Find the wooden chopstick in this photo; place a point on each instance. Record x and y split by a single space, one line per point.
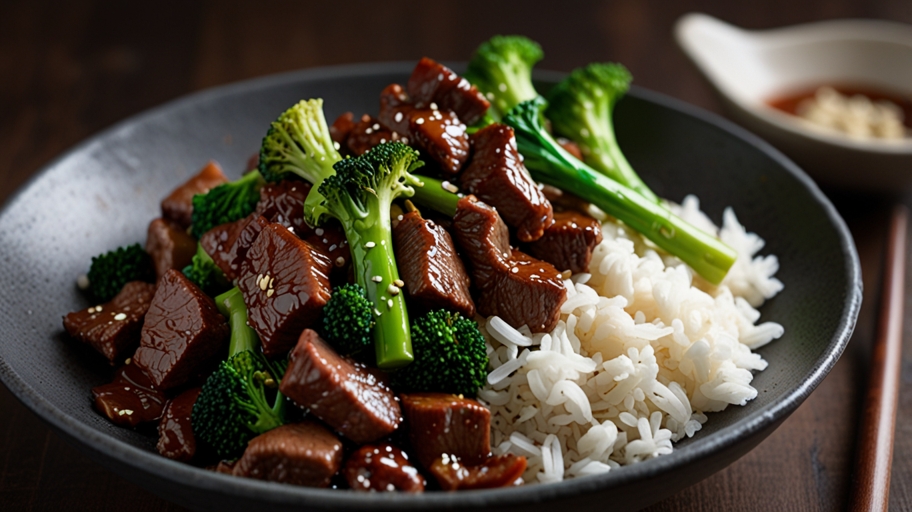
871 481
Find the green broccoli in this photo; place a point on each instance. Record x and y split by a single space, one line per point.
450 356
360 195
549 163
580 108
110 271
234 405
348 318
501 68
298 142
226 203
205 273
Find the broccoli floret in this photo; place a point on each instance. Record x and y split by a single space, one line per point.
580 108
240 399
549 163
348 318
205 273
226 203
110 271
450 356
502 69
360 195
298 142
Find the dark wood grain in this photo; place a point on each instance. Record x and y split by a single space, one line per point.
69 69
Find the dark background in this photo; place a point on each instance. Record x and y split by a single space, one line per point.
69 69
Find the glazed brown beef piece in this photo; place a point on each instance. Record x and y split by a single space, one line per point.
220 243
569 242
283 202
113 328
169 245
175 432
346 395
178 206
438 424
511 284
497 176
299 454
130 399
330 238
182 333
432 82
285 283
498 471
381 468
434 276
367 133
341 128
438 133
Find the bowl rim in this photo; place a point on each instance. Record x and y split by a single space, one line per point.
858 30
182 474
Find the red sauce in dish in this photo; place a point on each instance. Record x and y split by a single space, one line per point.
788 103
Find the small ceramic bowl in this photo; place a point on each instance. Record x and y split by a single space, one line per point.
749 69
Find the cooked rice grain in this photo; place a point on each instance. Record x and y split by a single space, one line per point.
643 349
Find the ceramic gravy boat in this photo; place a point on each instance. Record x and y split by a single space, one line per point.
750 68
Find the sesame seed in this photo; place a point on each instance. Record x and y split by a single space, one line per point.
449 187
433 106
82 282
398 116
128 361
264 283
376 126
333 247
419 121
91 310
399 282
319 231
370 245
98 308
389 303
269 292
377 279
120 316
335 145
377 312
399 218
369 131
340 261
393 290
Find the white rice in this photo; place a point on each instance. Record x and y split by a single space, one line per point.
642 351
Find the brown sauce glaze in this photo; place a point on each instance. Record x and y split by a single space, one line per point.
434 276
498 471
130 399
299 454
432 82
568 243
439 423
178 206
175 432
382 468
497 176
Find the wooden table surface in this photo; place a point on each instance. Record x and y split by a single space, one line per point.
68 70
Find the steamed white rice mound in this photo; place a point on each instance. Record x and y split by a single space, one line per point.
642 351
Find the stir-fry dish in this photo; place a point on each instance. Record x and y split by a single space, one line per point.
469 288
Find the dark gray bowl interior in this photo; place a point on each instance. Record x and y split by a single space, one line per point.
104 192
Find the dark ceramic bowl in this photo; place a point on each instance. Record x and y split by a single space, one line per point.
104 192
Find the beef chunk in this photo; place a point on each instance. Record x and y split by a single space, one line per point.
367 133
569 242
219 241
381 468
497 176
183 331
283 202
178 206
344 394
130 399
285 283
175 432
299 454
169 245
432 82
341 128
330 238
428 264
438 133
438 424
511 284
498 471
113 328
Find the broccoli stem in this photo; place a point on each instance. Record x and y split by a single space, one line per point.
243 337
605 155
549 163
434 196
371 242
